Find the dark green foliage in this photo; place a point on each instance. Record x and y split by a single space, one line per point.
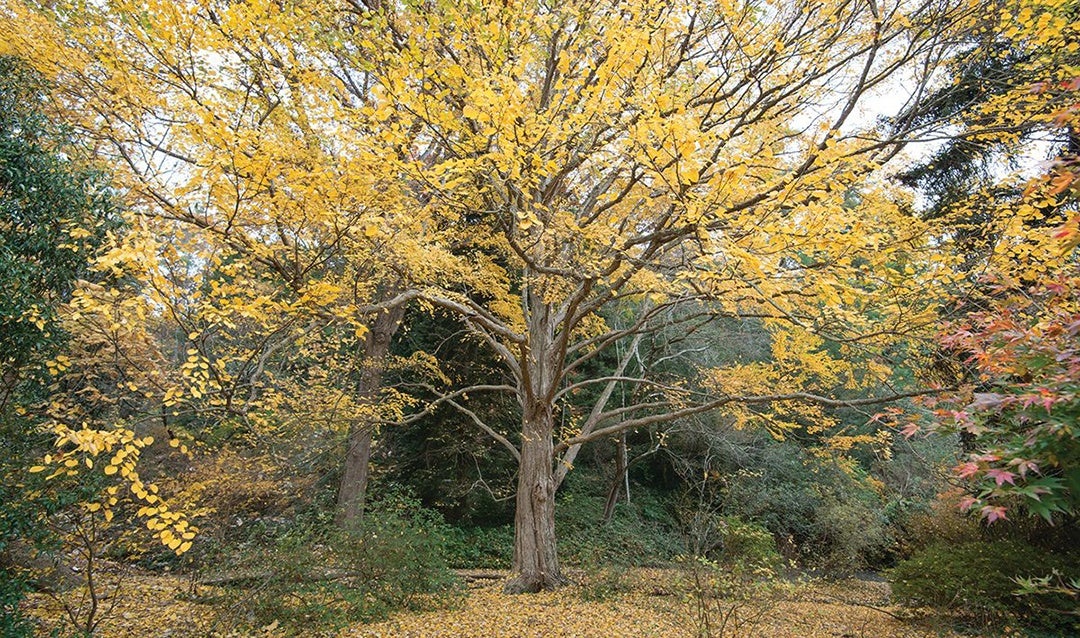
444 459
978 579
821 513
960 181
642 533
480 547
316 578
963 164
12 623
54 214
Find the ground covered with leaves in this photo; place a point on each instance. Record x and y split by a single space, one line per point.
637 603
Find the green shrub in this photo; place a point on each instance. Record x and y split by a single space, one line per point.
313 578
824 513
747 544
641 534
13 623
979 580
480 547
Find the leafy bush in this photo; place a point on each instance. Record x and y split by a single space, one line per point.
54 213
480 547
820 511
13 623
852 532
747 544
642 534
320 578
980 578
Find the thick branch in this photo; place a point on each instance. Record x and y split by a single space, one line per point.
722 401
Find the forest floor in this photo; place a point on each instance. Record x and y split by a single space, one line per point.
642 603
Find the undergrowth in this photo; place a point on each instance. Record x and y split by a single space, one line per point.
318 579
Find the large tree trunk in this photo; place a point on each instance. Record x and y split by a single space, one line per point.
536 561
355 470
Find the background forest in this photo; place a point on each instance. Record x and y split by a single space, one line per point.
320 306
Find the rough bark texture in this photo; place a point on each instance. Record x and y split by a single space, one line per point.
352 490
536 561
355 470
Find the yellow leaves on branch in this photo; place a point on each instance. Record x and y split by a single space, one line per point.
115 453
579 155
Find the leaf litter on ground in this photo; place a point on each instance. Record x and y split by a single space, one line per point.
645 603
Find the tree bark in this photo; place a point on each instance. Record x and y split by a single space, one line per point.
536 561
617 482
352 490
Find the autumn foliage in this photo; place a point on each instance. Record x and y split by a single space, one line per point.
642 245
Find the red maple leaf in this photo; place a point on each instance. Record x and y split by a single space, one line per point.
1001 476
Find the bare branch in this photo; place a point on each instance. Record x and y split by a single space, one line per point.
747 399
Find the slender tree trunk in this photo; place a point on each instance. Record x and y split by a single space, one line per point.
352 489
617 482
536 561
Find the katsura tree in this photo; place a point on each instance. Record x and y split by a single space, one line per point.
267 228
621 168
565 179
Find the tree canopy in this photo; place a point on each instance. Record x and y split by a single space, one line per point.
571 182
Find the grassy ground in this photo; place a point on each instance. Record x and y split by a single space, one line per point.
642 603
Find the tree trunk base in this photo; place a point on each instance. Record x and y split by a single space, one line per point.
533 583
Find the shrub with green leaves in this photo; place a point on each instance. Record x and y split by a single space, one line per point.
980 579
480 547
314 578
747 544
643 533
55 212
830 515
